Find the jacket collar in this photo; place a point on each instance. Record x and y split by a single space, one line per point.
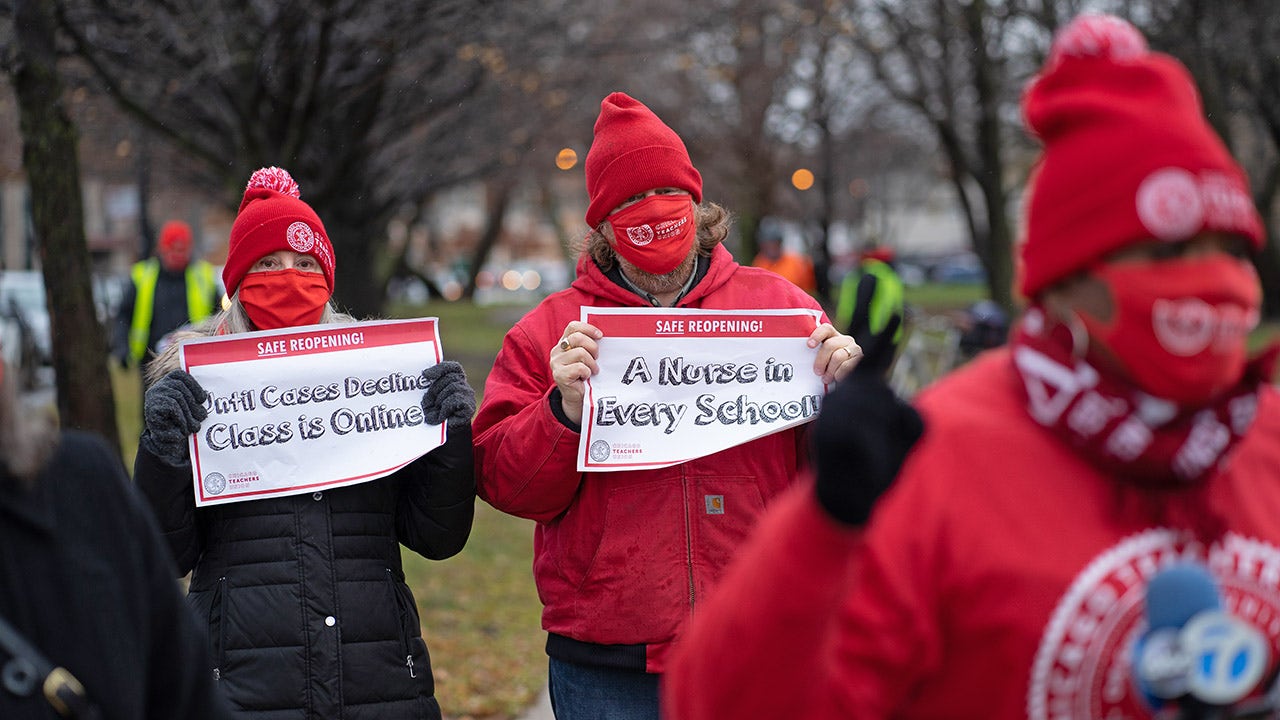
709 274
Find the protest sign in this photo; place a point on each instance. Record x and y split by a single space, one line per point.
310 408
678 384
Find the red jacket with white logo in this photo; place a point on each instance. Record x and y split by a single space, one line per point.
622 558
1000 577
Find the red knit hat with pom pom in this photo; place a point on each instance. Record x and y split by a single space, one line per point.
633 151
273 217
1128 155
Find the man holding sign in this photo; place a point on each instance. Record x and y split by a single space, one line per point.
301 582
622 558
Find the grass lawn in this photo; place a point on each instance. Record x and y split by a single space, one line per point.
480 612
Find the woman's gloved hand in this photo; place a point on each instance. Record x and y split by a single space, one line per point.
448 399
172 410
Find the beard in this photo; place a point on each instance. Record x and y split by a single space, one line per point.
665 283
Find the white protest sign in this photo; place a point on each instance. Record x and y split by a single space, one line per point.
678 384
310 408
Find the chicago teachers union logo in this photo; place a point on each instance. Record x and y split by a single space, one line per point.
599 451
215 483
300 237
1084 667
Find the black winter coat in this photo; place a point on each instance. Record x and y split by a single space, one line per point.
308 612
85 577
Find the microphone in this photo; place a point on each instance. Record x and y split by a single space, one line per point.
1193 653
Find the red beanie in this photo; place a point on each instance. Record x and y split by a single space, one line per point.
173 231
1128 156
271 218
633 151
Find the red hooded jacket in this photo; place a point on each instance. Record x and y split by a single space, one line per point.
622 558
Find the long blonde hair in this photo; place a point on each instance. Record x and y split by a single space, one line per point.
226 322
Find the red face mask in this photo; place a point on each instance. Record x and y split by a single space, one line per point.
284 298
656 233
1180 325
176 255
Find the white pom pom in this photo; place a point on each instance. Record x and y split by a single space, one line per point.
1094 35
274 178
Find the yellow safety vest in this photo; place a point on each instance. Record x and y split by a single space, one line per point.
201 286
889 298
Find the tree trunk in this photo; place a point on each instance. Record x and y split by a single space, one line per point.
498 198
49 155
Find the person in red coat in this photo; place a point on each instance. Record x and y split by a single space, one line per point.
622 559
1089 526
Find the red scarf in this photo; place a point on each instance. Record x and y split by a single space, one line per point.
1147 441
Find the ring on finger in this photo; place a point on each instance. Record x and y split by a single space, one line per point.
564 344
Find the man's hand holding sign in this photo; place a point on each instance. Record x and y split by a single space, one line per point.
674 384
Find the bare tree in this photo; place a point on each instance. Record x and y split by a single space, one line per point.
49 154
362 100
960 66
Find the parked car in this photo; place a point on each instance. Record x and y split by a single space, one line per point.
22 300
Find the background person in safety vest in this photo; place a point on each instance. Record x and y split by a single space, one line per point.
871 299
167 291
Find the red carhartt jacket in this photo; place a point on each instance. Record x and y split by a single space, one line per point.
622 558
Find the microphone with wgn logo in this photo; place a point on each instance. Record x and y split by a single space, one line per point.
1196 661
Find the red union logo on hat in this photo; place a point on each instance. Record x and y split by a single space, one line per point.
300 237
1170 205
640 236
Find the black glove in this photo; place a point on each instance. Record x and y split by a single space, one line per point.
878 348
448 398
172 410
860 440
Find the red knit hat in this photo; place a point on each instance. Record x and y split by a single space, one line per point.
172 232
633 151
273 217
1128 155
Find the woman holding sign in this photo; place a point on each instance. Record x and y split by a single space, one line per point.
621 559
307 607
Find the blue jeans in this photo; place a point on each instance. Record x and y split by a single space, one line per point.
586 692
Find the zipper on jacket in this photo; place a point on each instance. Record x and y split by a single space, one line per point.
219 606
688 536
404 617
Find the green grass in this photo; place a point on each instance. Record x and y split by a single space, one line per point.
480 611
941 297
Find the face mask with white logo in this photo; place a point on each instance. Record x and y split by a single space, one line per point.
1180 325
656 233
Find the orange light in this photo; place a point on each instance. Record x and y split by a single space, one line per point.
802 179
566 158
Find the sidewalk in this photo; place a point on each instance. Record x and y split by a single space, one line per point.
541 709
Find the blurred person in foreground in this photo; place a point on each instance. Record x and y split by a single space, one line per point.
775 257
1009 572
621 559
87 587
304 594
165 292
